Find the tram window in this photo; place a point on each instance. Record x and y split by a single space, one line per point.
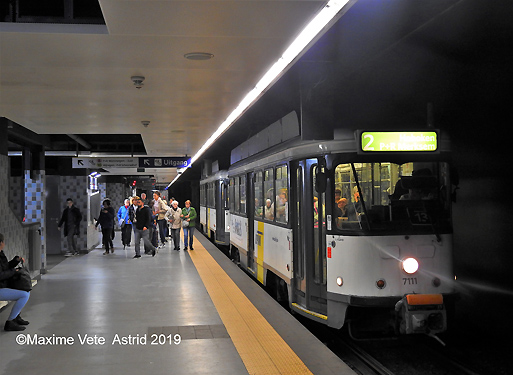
389 196
236 196
210 194
269 194
231 195
282 205
203 200
243 195
259 194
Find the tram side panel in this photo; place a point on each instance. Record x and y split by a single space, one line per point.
239 236
276 253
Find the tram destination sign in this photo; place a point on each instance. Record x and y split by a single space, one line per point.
404 141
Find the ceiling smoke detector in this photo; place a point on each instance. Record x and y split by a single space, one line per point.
145 123
138 81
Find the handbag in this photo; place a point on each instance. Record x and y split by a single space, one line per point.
185 224
21 280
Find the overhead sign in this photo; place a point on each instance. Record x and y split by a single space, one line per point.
164 162
426 141
95 163
142 162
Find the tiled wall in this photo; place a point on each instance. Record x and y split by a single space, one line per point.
16 237
35 204
17 196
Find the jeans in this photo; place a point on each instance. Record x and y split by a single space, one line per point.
188 233
126 234
145 235
20 296
107 238
72 239
175 234
162 229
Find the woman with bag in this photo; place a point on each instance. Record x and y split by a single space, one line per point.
173 218
189 222
7 272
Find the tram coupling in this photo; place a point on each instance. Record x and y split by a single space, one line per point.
421 313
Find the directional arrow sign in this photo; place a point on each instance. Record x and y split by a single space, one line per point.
94 163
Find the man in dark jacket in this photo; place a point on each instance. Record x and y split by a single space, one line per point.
71 218
106 220
142 221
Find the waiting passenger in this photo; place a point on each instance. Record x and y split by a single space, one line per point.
7 272
269 209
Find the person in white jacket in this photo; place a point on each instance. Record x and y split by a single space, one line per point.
173 218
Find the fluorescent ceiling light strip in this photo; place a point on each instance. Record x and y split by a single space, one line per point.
314 27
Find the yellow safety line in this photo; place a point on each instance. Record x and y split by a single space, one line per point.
260 347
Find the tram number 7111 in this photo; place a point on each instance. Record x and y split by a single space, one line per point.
409 281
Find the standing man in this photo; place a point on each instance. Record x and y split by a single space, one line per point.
71 218
188 215
159 210
142 222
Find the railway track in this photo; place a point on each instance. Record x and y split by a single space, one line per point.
412 355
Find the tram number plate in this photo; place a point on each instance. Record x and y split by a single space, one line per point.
409 281
419 217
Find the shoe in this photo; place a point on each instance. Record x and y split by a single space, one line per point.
192 248
153 252
112 250
11 325
20 321
185 248
68 255
106 253
136 256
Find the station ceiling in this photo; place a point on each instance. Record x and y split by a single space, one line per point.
377 66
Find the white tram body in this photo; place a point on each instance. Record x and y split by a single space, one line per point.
334 229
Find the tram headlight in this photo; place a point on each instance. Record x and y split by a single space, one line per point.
340 281
410 265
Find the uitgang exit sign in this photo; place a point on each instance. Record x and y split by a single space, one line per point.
411 141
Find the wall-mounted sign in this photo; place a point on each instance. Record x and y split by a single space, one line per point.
408 141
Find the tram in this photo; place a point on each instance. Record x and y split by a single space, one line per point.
353 229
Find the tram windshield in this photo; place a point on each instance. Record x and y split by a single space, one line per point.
406 198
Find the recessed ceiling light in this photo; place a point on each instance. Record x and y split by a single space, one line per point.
198 56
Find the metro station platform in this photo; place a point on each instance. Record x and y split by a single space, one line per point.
177 313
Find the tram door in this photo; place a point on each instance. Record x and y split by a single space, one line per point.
250 212
309 240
